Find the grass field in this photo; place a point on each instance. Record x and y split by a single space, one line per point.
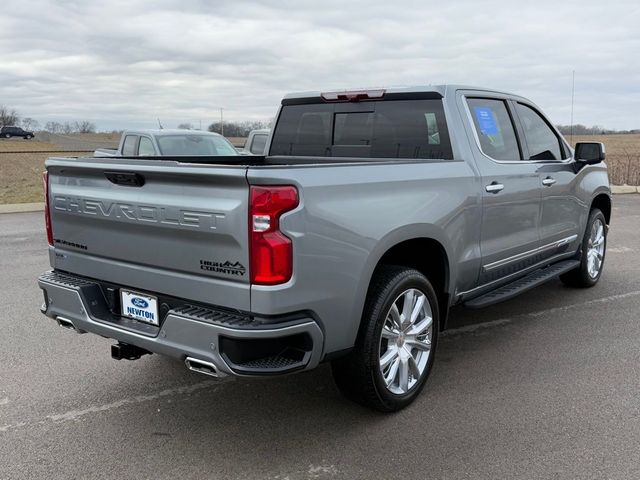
21 173
623 156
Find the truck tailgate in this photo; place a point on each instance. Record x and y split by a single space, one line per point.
155 225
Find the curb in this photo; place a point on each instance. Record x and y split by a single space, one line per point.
623 189
22 207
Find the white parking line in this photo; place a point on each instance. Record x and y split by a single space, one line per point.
619 250
76 414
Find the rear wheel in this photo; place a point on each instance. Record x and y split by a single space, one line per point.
7 135
594 247
394 353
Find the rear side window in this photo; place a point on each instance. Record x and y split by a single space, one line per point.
542 141
383 129
495 129
146 147
129 146
258 144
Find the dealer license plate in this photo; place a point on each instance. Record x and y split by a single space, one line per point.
139 306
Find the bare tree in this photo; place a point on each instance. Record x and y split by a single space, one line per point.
579 129
237 129
29 123
8 116
53 127
84 126
185 126
67 128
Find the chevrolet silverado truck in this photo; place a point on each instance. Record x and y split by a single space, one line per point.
162 142
372 214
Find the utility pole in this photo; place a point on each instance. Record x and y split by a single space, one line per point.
221 122
573 89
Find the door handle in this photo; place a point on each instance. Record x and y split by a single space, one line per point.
547 182
494 187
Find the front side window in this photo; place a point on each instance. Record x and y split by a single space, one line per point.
379 129
129 146
542 141
495 129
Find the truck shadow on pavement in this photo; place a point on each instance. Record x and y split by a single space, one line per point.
295 414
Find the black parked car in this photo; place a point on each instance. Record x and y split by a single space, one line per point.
8 132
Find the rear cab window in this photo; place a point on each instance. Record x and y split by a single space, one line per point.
195 145
386 128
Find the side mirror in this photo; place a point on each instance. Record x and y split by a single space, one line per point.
589 153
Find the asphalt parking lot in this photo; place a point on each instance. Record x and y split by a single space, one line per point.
543 386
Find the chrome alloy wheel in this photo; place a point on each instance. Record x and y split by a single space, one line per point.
405 342
595 248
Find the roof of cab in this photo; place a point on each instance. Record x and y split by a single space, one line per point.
443 90
169 131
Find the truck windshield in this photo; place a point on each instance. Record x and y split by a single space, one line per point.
195 145
379 129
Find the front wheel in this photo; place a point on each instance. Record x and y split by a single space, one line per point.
28 137
594 247
395 349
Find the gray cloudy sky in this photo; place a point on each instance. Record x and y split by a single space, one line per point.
123 63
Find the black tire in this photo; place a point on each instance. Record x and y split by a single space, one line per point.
7 135
580 277
358 374
28 137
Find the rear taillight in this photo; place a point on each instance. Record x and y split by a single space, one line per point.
47 213
271 252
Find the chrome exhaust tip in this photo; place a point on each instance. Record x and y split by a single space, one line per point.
66 323
206 368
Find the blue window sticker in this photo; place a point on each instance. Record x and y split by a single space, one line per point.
486 120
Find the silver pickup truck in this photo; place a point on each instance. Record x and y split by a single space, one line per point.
372 214
256 143
162 142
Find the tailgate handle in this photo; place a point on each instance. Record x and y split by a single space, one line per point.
126 179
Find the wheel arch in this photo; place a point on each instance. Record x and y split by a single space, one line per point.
602 202
407 247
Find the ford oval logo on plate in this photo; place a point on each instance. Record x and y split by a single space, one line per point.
139 302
